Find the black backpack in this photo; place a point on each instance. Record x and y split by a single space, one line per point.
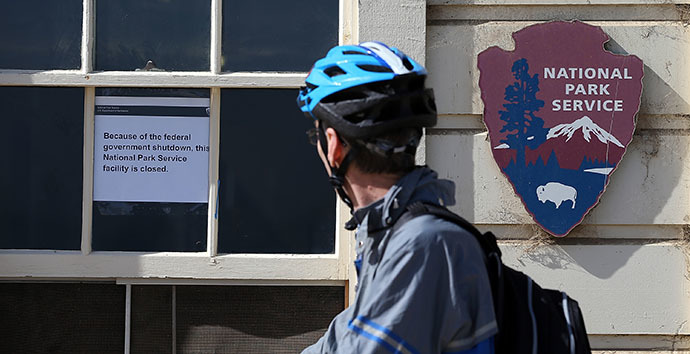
530 319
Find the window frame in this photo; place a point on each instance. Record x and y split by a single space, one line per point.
175 267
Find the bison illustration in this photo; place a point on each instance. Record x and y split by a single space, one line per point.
557 193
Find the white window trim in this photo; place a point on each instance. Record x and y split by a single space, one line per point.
74 78
174 267
128 318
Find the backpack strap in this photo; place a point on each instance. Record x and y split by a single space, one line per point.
487 241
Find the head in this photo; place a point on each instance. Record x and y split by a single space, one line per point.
373 98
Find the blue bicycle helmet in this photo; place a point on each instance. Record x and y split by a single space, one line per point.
366 90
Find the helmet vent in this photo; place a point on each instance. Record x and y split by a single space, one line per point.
374 68
348 52
310 86
407 64
334 71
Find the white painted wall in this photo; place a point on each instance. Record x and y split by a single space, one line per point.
627 264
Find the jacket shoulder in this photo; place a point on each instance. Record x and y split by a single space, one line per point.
430 231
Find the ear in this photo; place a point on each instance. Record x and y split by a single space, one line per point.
336 147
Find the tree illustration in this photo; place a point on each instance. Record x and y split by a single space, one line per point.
527 130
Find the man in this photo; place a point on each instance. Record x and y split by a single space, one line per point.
422 284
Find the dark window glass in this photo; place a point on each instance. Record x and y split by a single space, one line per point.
274 192
62 318
37 34
41 170
277 35
231 319
152 314
150 226
174 34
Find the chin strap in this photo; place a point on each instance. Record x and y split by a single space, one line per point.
337 177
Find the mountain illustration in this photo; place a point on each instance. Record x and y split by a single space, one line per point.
572 143
587 127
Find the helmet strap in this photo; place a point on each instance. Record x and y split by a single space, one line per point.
337 177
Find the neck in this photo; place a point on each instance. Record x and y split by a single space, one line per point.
366 188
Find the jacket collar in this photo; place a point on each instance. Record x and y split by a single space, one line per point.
421 184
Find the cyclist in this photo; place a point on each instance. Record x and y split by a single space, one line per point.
422 285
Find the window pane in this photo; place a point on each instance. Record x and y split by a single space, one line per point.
253 319
41 169
62 318
174 34
143 197
274 192
36 34
277 35
152 314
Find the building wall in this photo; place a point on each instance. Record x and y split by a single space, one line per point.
627 263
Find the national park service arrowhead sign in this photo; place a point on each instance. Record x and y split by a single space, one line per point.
560 111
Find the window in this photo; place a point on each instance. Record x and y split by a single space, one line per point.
40 40
41 176
163 318
34 318
230 319
173 34
255 188
254 203
277 35
253 235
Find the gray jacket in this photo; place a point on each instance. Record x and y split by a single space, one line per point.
422 286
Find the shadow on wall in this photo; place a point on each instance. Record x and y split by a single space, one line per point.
647 181
597 261
646 188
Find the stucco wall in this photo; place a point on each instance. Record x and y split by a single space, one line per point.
627 264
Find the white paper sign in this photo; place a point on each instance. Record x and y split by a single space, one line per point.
140 156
